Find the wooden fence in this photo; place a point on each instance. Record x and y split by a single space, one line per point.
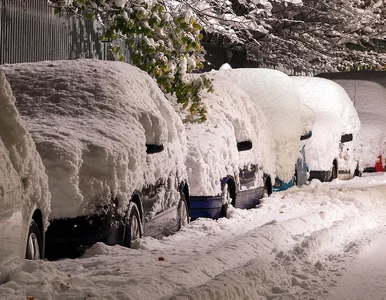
29 31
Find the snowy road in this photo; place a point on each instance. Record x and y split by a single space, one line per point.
306 243
366 279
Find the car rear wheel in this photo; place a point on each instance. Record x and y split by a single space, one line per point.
267 187
334 172
34 242
357 172
295 179
183 213
132 227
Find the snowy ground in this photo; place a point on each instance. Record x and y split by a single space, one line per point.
305 243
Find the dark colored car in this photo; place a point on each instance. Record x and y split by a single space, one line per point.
113 149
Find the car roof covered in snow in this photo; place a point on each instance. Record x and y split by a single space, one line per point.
91 121
212 145
23 180
288 118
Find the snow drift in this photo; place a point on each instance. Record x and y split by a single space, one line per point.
295 246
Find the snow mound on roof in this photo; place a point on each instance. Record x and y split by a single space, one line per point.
91 120
212 145
288 118
369 99
21 170
335 115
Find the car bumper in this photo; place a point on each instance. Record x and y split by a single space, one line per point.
249 198
283 186
205 207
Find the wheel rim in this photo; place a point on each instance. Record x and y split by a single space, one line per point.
134 226
33 250
183 214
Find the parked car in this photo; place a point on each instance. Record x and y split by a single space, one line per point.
113 147
24 194
333 150
289 119
230 158
368 97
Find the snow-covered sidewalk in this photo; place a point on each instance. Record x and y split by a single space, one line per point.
295 246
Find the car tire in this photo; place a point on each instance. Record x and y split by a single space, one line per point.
224 208
357 173
34 249
132 225
267 187
183 212
295 180
334 173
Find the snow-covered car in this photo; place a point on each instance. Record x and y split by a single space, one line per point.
230 158
288 118
24 193
113 147
367 90
369 99
333 150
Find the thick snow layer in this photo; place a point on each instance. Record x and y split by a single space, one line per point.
275 93
212 145
369 99
90 121
23 181
295 246
335 115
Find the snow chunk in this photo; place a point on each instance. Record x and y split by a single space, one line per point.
225 66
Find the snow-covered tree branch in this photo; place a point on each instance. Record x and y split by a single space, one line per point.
306 35
164 43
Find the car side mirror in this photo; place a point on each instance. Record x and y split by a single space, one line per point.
346 138
306 136
244 146
152 148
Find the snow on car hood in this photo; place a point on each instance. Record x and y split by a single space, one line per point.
212 145
22 174
287 116
369 99
91 120
335 115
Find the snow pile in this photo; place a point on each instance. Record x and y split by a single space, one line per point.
369 99
23 181
90 121
212 145
288 118
293 247
335 115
